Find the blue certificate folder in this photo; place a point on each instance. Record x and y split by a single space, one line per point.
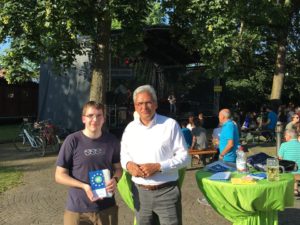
220 176
97 182
258 176
219 166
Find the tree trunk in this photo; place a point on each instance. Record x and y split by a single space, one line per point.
281 53
279 71
100 59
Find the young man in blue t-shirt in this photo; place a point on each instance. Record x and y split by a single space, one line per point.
86 151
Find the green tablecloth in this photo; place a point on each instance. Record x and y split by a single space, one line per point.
250 204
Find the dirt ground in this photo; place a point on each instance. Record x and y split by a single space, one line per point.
39 200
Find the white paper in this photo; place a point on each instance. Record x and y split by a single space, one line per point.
106 174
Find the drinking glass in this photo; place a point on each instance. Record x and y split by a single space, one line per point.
272 169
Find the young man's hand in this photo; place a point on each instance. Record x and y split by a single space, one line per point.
111 185
88 190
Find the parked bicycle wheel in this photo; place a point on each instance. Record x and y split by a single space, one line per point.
21 143
39 146
55 143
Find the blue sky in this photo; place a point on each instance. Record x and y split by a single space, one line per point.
3 47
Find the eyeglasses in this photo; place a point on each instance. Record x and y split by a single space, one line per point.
92 116
140 104
296 117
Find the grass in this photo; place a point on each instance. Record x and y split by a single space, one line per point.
10 177
8 132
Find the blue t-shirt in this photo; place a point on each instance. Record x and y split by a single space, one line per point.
273 120
229 132
187 134
290 150
80 155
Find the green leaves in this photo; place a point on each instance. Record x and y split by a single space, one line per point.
45 29
237 39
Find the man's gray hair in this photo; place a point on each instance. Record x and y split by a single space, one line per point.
292 133
145 88
226 113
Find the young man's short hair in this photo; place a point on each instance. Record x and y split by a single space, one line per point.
92 104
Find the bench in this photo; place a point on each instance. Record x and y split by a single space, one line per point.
208 151
257 134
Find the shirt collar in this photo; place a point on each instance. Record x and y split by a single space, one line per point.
226 122
152 122
293 139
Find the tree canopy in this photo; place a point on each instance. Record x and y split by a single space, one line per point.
247 43
51 29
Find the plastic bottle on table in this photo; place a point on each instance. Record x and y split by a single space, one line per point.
241 160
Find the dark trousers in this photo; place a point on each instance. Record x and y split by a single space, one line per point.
165 204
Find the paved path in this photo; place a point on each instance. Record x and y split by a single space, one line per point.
39 200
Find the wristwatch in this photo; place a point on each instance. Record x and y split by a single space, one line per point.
116 178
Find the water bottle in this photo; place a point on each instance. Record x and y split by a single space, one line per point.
241 160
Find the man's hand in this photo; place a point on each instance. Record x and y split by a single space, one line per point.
221 157
88 190
149 169
134 169
215 141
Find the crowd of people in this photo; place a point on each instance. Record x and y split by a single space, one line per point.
287 117
152 150
267 118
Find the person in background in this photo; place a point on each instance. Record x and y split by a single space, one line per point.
216 136
86 151
229 137
236 120
201 119
290 150
191 122
153 150
270 124
297 110
172 102
199 140
199 137
187 134
216 140
249 122
290 111
282 115
293 123
262 117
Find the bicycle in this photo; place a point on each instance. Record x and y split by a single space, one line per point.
47 132
27 140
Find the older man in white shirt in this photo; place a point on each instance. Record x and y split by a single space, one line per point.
153 149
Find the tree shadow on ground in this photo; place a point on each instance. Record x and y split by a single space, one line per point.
25 161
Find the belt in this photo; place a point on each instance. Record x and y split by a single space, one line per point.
157 187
